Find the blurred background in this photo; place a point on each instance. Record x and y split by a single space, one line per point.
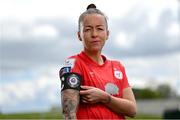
37 35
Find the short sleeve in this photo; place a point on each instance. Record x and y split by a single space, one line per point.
125 78
72 62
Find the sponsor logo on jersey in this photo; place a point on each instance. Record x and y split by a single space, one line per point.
70 62
111 88
118 74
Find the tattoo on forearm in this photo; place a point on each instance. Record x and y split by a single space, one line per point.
70 102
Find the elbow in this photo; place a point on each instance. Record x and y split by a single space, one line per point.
132 112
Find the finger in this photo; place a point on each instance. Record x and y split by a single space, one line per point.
83 92
91 101
85 98
86 87
84 101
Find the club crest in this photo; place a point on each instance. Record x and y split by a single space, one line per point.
118 74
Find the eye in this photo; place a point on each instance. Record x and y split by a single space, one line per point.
101 29
87 29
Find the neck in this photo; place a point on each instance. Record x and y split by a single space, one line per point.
95 56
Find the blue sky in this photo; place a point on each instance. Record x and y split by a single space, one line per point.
37 35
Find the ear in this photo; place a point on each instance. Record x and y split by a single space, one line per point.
79 36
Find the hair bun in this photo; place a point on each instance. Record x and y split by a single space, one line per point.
91 6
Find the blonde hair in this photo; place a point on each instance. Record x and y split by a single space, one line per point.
91 9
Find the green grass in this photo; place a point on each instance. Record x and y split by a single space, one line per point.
35 115
58 115
145 116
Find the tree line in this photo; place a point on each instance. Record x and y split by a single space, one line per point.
163 91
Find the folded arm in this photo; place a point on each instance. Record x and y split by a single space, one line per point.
125 105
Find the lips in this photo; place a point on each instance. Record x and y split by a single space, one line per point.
95 42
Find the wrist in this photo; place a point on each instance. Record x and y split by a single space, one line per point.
107 99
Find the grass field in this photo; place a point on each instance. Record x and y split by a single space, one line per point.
35 115
146 117
55 115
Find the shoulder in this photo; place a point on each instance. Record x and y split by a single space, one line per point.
117 63
71 61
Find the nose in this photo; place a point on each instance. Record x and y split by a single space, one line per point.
94 33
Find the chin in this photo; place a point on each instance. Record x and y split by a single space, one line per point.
96 49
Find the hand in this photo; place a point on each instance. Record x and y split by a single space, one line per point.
92 95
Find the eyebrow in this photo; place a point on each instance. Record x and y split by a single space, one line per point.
96 26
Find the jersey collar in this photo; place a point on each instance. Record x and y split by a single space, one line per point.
90 61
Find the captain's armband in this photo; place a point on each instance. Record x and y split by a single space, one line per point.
69 80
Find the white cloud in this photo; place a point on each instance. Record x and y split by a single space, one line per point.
21 31
173 33
123 40
45 31
14 92
174 30
11 30
152 71
120 8
46 87
137 82
155 7
31 9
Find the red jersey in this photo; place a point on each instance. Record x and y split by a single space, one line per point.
109 77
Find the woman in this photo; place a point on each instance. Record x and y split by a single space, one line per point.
105 92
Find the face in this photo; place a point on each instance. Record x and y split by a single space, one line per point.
93 32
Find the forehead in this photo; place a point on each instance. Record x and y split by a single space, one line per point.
94 19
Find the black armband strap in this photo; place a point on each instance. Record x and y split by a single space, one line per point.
69 80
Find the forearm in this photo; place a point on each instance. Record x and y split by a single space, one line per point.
122 106
70 102
125 105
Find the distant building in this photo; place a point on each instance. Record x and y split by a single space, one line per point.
157 107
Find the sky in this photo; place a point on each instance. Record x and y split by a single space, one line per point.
36 36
